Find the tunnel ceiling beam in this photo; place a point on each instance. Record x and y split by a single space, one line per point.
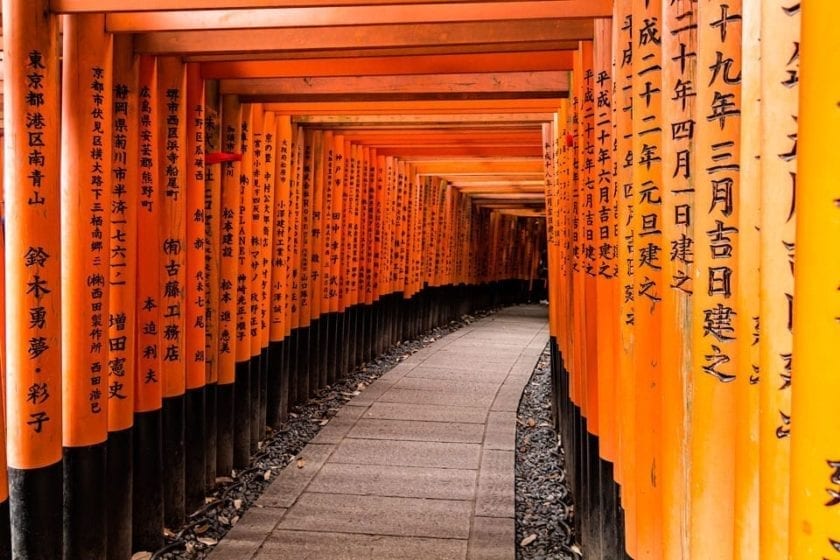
527 61
185 20
364 36
70 6
522 84
425 50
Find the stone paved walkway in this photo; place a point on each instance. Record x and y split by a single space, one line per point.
419 466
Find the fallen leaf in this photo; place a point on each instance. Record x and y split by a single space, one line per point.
143 555
168 533
324 422
301 463
224 520
201 529
576 549
528 540
207 541
267 475
237 503
223 479
531 422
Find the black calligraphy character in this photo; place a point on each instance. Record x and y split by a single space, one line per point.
718 322
723 67
725 19
37 393
38 420
713 361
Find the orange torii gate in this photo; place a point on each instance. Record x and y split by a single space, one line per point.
164 312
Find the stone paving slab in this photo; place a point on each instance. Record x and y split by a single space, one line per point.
426 371
413 396
288 486
300 545
245 539
380 515
407 482
500 432
426 413
447 385
407 453
416 466
491 538
408 430
495 496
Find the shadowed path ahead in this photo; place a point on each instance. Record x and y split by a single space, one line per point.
420 465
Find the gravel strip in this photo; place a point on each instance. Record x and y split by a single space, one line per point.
544 507
234 495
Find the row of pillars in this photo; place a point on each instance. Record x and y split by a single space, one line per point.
181 268
693 216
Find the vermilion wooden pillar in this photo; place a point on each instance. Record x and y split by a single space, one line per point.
85 222
196 300
32 200
122 315
748 322
231 123
147 506
714 347
172 117
815 456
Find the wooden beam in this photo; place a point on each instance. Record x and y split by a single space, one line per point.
189 20
425 50
362 36
533 61
554 83
116 6
406 152
344 117
477 167
356 112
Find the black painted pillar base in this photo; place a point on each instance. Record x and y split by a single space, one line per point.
34 512
293 361
174 462
303 354
242 415
85 506
224 429
194 436
274 385
315 335
254 370
147 503
210 435
119 493
264 366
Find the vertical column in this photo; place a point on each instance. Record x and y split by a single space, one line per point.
32 265
278 394
254 262
173 249
266 240
713 315
122 322
747 473
679 70
780 24
317 324
196 299
242 248
648 285
227 294
85 223
304 244
212 272
624 103
147 505
815 445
